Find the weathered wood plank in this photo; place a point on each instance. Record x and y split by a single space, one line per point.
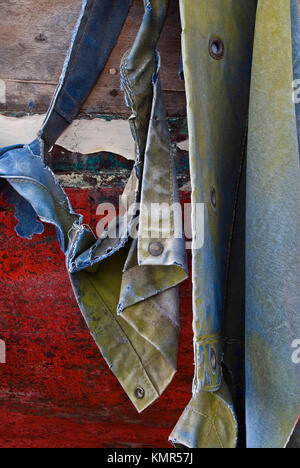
34 38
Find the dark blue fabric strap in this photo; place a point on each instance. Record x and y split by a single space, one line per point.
94 38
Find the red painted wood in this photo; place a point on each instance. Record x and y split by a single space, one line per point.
55 389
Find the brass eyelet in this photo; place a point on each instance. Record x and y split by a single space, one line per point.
139 393
216 48
213 359
213 197
156 249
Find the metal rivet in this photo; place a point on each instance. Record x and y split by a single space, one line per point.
139 393
213 197
113 71
213 359
156 249
216 48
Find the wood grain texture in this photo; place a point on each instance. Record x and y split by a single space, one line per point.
55 388
35 36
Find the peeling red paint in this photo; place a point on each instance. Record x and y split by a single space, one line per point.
55 389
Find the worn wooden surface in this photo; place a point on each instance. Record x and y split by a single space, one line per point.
55 388
34 38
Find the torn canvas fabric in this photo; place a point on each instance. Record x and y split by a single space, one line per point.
240 65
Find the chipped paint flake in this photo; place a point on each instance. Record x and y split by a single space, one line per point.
83 136
184 145
2 92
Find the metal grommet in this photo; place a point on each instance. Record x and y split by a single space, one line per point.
139 393
213 197
213 359
156 249
216 48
